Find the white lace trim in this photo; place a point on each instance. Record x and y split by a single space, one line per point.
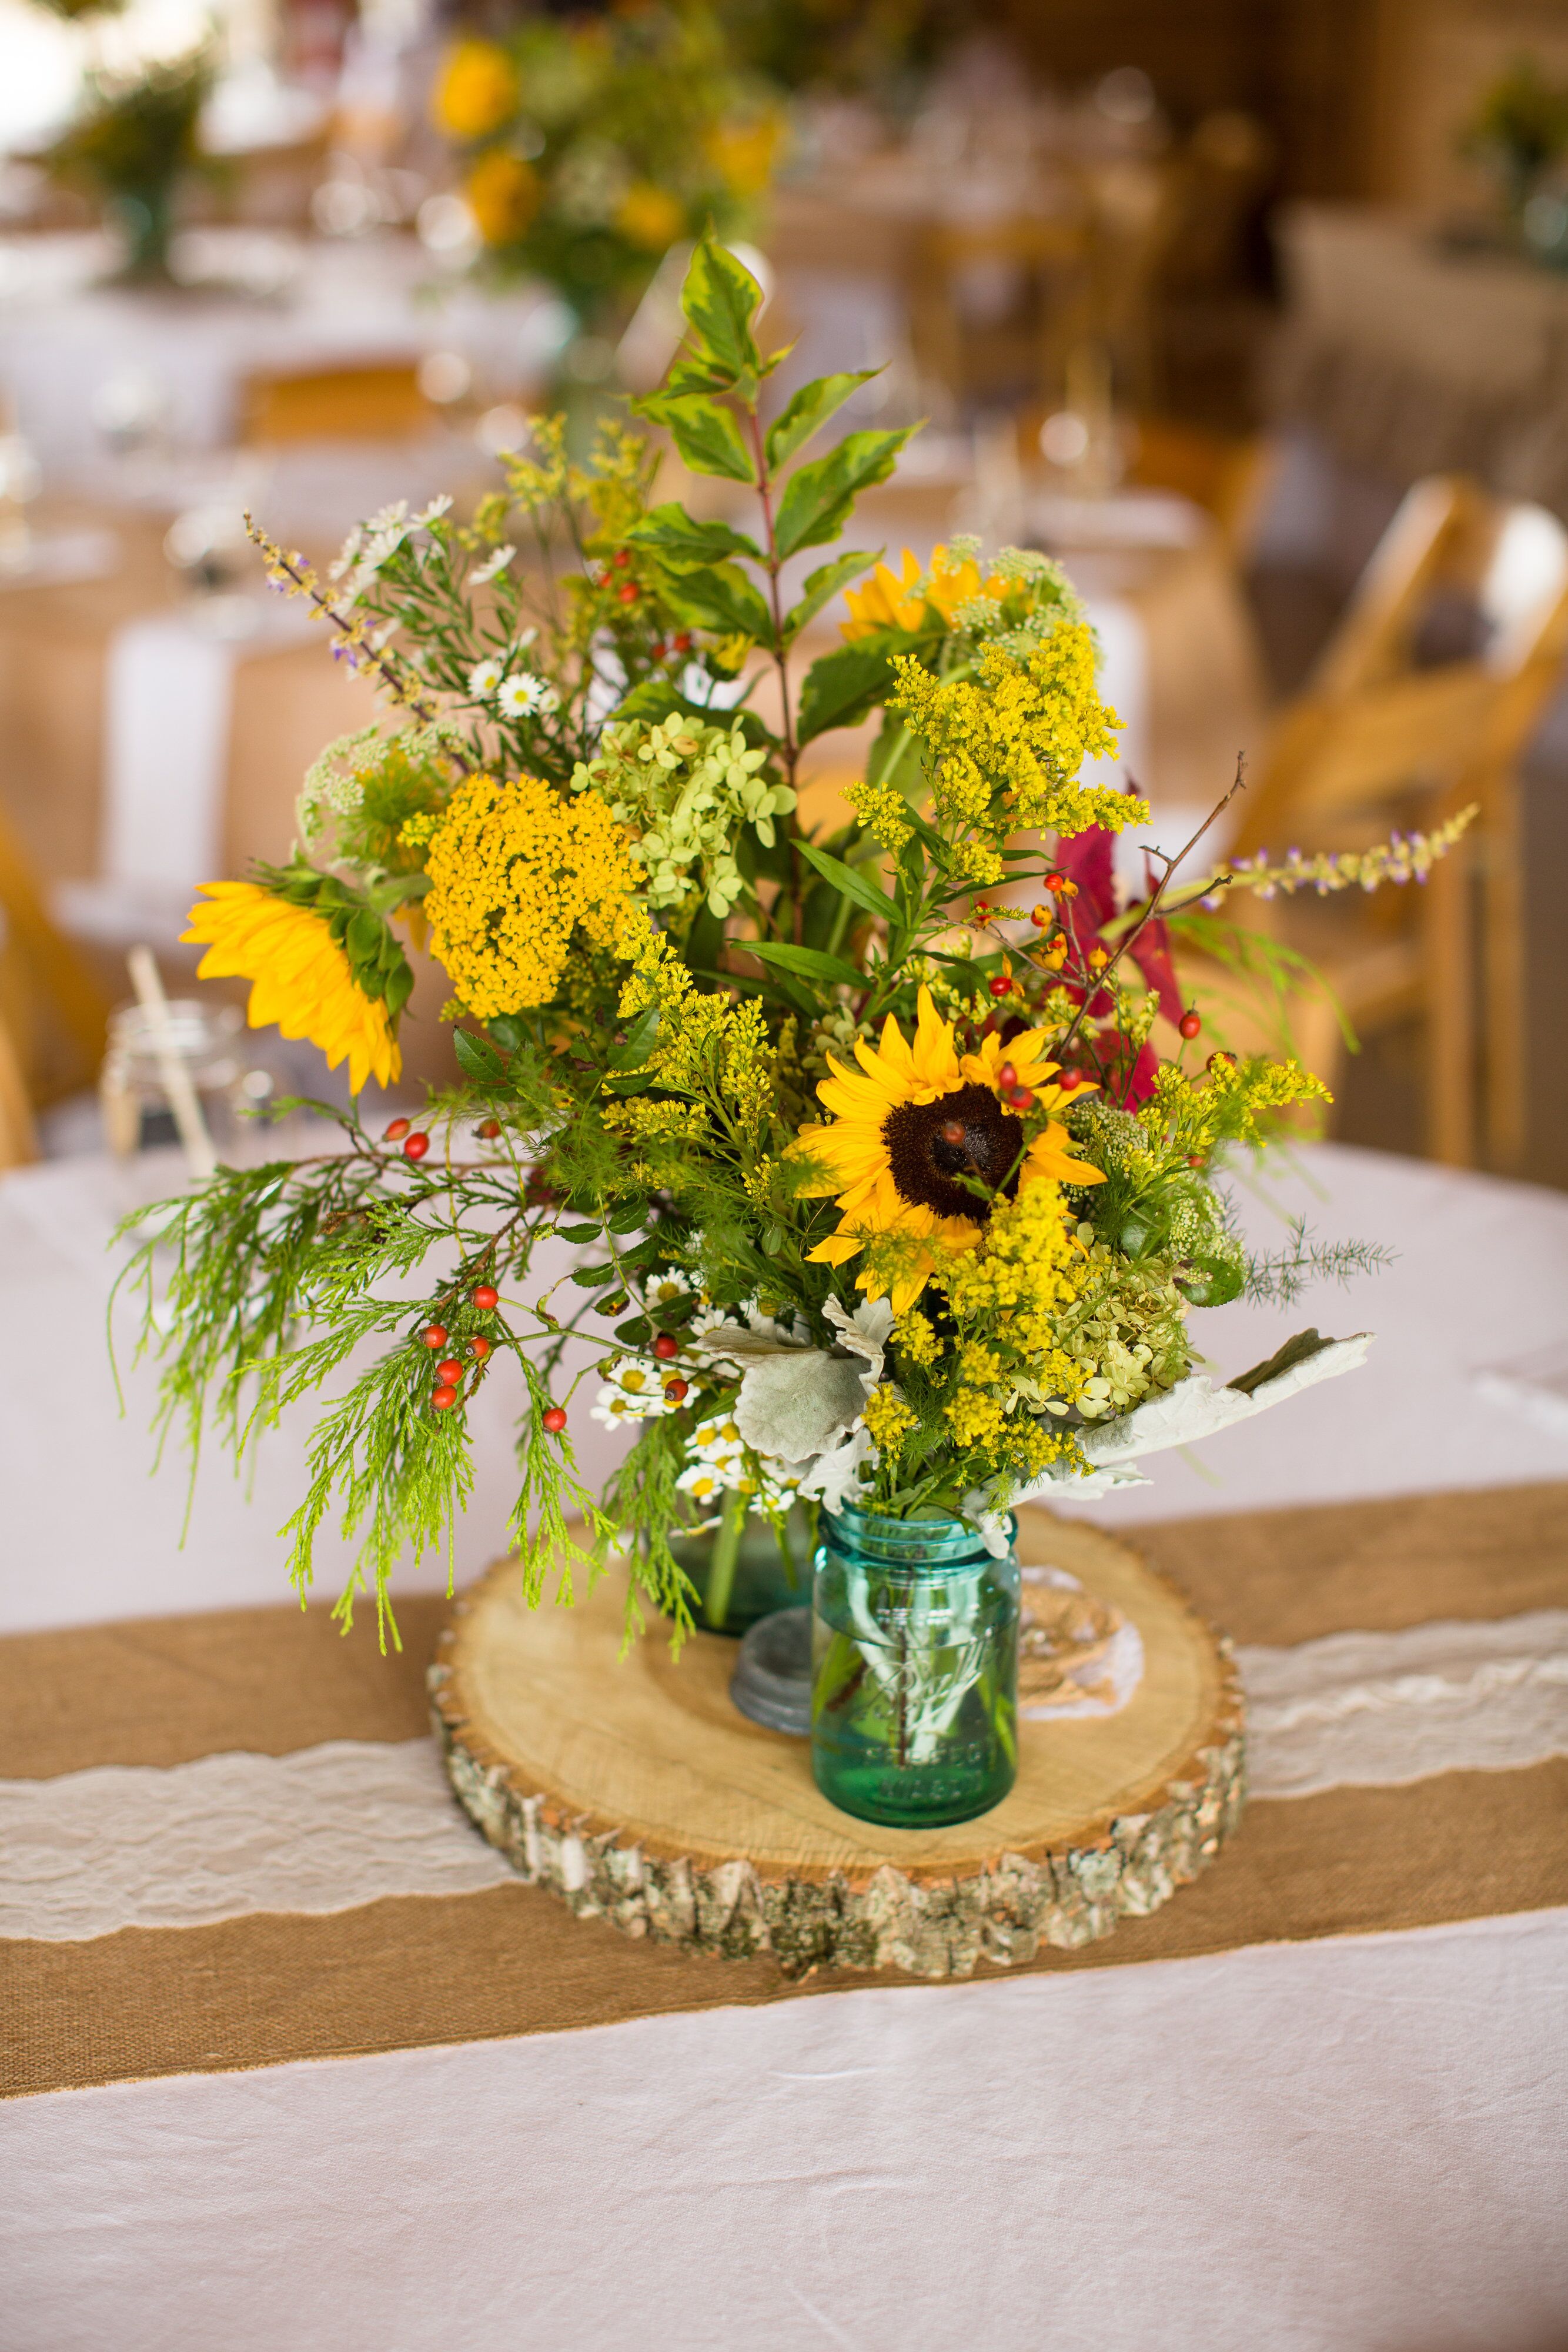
1378 1709
332 1827
322 1830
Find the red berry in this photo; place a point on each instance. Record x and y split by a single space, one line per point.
628 592
1022 1099
449 1373
1055 880
416 1145
953 1130
1221 1061
485 1299
675 1390
682 643
479 1346
1007 1077
1190 1023
981 909
444 1399
1041 917
555 1419
664 1346
622 558
1195 1160
1070 1082
398 1129
1001 986
490 1130
435 1334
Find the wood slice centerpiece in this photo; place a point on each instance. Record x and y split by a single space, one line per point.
633 1788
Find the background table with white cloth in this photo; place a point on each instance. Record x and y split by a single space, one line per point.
1337 2125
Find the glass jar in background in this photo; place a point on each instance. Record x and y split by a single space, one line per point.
913 1669
137 1113
755 1579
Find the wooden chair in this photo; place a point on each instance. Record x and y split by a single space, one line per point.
53 1014
1377 740
379 400
1039 263
18 1137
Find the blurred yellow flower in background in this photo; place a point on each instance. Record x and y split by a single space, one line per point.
503 194
649 217
476 91
303 982
745 154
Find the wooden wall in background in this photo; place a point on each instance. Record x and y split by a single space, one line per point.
1303 67
1432 59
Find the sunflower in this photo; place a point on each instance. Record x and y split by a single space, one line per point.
889 601
913 1123
303 982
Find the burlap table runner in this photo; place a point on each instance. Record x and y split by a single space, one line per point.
406 1972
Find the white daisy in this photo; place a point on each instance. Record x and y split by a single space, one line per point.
483 679
521 695
492 567
432 512
634 1391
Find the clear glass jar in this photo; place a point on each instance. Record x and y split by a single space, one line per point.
209 1039
755 1579
913 1669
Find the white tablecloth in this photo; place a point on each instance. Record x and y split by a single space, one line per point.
1351 2146
63 345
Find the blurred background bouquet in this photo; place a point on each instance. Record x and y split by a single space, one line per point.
590 147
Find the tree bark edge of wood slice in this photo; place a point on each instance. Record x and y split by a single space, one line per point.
671 1816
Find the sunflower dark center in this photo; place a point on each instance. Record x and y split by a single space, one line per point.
928 1163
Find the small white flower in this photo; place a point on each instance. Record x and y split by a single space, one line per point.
666 1287
432 512
492 567
634 1391
348 554
522 694
483 679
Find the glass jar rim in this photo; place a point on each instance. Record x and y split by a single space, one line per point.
915 1544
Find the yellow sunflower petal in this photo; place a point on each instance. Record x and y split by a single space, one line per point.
302 982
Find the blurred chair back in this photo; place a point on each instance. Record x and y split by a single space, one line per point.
54 1015
379 401
1378 740
996 304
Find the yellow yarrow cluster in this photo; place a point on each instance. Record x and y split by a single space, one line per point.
1004 749
514 870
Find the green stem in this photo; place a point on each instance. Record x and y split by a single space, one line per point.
726 1554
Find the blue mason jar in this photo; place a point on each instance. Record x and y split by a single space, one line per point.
914 1641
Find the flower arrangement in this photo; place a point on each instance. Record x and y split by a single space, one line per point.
591 146
886 1155
1517 131
133 142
